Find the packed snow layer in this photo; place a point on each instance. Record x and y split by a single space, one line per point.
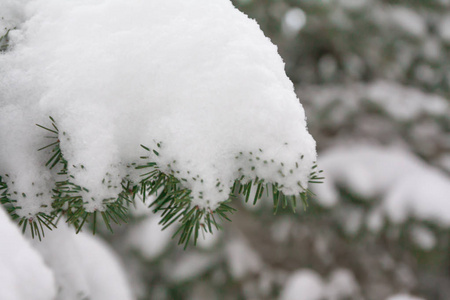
195 80
23 274
84 266
406 185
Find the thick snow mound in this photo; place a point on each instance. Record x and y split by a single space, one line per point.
23 274
407 186
197 77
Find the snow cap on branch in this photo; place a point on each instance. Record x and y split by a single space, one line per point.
194 80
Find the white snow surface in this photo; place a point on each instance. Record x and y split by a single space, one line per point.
12 14
196 76
242 260
342 284
306 284
149 239
190 266
423 237
84 266
303 285
406 103
408 20
404 297
406 185
444 28
23 274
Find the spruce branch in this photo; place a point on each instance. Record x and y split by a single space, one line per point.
4 40
35 224
169 197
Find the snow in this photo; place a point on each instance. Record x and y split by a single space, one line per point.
407 186
11 14
424 195
401 103
149 239
293 21
353 5
403 297
190 266
208 240
197 77
23 274
404 103
303 285
241 258
84 266
432 49
341 284
408 20
423 237
281 230
375 220
444 28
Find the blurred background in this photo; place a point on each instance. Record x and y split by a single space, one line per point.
374 79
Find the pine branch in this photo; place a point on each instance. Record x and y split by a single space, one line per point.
34 223
4 40
171 199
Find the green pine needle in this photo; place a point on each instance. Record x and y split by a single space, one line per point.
171 199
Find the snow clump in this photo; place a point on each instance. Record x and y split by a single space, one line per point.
194 80
407 186
23 274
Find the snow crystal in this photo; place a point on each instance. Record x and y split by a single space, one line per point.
303 285
194 80
23 274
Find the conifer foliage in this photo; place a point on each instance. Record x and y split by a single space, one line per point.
179 120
